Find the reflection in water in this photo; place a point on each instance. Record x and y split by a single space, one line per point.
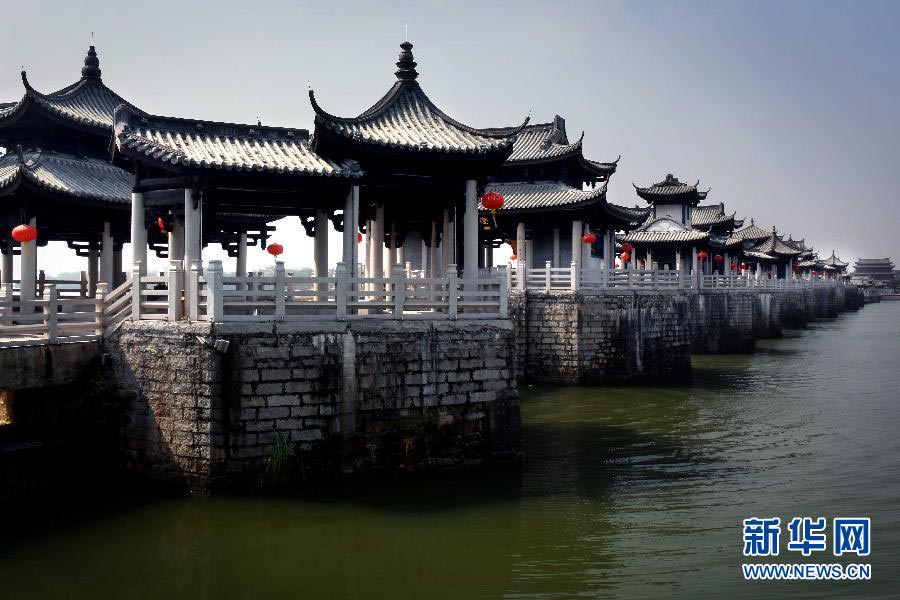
626 492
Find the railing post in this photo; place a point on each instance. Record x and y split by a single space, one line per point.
629 274
408 269
548 276
136 292
341 288
503 274
573 275
280 289
654 278
521 275
51 299
41 282
215 308
99 305
174 285
6 296
453 291
398 284
193 299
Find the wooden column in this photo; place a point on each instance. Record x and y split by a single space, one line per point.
93 271
351 227
106 256
556 246
28 267
320 247
138 233
435 270
240 263
191 240
392 250
377 241
176 238
470 233
447 241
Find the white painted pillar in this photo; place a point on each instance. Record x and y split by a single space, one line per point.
521 249
106 256
349 233
368 262
446 241
320 246
392 249
470 232
191 228
240 268
556 247
648 263
6 270
726 265
28 267
576 242
695 272
138 233
377 242
176 239
678 259
354 230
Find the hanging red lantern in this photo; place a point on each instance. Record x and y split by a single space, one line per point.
617 265
626 247
734 265
513 257
718 258
702 255
492 201
589 238
358 238
161 224
24 233
275 249
626 256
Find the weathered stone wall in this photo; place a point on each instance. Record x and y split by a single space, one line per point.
346 397
578 338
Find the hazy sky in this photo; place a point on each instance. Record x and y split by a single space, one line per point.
788 110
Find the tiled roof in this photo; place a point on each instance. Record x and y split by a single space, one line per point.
710 215
223 146
774 246
543 141
87 102
808 264
406 119
77 177
544 194
759 255
669 187
751 233
880 262
664 230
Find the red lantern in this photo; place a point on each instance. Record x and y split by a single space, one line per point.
24 233
492 201
626 256
589 238
513 257
626 247
718 258
358 238
617 265
275 249
702 255
161 224
733 265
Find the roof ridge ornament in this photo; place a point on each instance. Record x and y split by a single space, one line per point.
91 68
406 66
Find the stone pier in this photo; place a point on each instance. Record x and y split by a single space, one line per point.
342 397
635 336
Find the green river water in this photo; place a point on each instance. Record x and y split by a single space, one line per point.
626 492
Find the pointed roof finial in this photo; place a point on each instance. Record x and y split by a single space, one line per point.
406 66
91 68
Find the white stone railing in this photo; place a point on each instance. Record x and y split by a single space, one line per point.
50 319
573 278
214 296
